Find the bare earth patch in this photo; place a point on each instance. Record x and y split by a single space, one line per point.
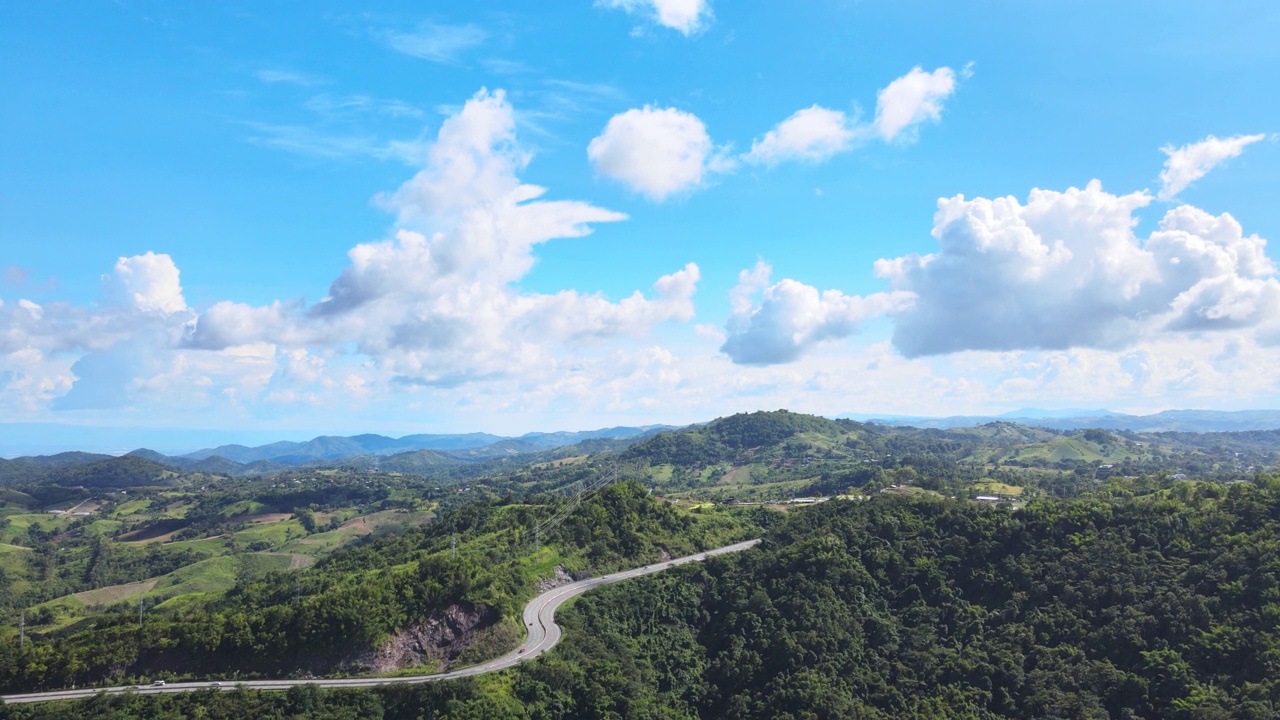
262 519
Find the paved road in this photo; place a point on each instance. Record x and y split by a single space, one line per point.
539 620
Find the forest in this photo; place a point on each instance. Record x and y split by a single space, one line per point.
1121 575
1163 604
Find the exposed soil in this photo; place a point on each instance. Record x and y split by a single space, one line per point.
438 641
562 577
261 518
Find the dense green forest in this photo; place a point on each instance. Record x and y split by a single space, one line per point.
1103 572
1160 604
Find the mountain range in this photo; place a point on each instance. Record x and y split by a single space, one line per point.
1197 421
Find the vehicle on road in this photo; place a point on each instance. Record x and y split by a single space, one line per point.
215 684
522 650
158 683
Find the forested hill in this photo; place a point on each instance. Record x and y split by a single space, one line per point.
730 437
445 593
1165 606
86 470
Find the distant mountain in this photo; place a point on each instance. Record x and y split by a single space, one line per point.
468 446
127 470
1196 421
65 459
1027 413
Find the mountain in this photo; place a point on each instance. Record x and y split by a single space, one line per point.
36 468
469 446
127 470
1197 421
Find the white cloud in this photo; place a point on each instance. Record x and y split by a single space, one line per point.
342 107
435 42
1066 270
437 305
656 152
814 133
792 317
1193 161
311 142
148 282
912 99
686 16
288 77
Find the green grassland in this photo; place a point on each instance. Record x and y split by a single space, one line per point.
993 487
16 526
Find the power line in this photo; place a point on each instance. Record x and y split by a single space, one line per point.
585 492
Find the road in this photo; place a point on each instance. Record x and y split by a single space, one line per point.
539 620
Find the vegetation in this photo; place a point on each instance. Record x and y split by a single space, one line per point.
474 569
1160 604
1115 580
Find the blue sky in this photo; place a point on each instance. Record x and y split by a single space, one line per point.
299 218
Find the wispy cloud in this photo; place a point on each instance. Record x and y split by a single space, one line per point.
435 42
276 76
310 142
334 106
1193 161
502 66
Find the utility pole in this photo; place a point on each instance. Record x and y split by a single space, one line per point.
537 540
453 546
297 591
139 608
22 631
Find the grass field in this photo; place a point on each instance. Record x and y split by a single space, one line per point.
18 524
575 460
183 587
661 473
131 508
114 593
992 487
276 533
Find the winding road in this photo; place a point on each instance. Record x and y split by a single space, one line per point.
539 620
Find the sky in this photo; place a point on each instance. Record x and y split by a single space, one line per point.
275 220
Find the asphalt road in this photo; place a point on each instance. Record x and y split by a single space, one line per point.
539 620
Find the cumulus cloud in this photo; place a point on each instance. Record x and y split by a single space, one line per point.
148 282
437 304
655 151
791 317
814 133
912 99
1194 160
687 16
1066 270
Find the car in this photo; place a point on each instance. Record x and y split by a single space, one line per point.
158 683
522 651
215 684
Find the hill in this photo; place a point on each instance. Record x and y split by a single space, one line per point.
1191 421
